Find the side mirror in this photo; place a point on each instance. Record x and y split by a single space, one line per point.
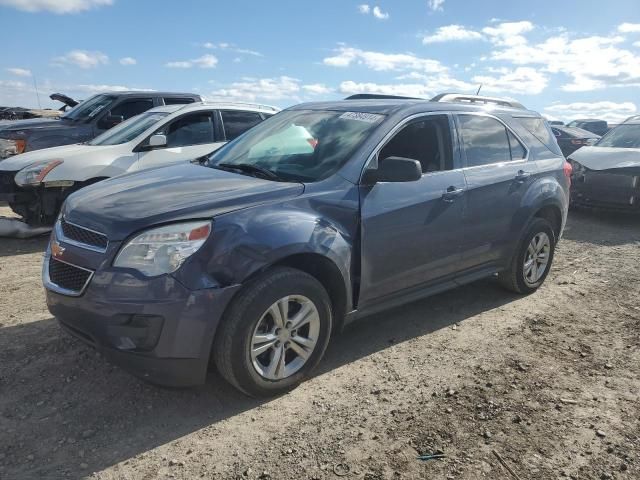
157 141
111 121
394 169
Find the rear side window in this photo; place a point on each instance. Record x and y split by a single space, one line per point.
131 108
538 128
236 122
178 100
518 152
484 139
193 129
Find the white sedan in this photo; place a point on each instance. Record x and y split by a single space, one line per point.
36 183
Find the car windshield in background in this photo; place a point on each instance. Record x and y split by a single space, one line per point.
128 130
89 108
623 136
298 145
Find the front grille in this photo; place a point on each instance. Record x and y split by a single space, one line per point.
83 235
68 277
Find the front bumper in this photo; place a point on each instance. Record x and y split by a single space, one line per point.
155 328
615 190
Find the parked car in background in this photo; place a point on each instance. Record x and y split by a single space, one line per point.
555 123
599 127
607 175
36 183
84 122
572 138
322 214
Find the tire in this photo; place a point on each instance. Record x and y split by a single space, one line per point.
520 280
256 313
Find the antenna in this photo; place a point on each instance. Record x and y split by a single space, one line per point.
37 94
479 88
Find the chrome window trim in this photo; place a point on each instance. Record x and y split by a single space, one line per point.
506 162
402 124
54 287
62 237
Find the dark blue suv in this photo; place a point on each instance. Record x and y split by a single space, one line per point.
325 213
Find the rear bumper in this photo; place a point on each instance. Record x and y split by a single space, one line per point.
156 328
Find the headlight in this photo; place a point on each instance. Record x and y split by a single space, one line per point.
34 174
11 147
578 168
163 250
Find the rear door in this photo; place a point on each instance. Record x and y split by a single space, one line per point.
188 137
236 122
411 231
498 173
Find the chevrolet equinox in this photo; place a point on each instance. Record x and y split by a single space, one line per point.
322 214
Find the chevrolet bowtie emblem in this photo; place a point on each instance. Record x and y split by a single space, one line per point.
57 250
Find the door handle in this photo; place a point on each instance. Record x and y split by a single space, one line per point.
452 193
522 176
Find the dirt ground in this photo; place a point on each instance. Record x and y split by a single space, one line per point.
550 382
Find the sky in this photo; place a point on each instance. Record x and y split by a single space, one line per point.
566 59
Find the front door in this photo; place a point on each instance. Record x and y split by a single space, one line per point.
188 137
411 232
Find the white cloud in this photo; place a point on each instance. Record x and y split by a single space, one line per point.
376 11
435 5
522 81
128 61
205 61
317 89
20 72
91 89
425 86
610 111
232 48
636 44
252 89
82 59
55 6
591 62
379 14
450 33
382 61
508 33
629 28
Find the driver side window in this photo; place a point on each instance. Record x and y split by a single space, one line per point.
427 140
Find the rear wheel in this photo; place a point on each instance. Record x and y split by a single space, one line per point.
532 262
274 333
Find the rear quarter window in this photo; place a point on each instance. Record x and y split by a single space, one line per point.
539 128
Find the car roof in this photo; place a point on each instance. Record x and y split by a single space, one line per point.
196 106
152 92
392 106
576 131
589 120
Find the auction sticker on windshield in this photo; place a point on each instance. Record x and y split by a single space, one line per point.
361 117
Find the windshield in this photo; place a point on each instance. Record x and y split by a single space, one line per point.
89 108
128 130
623 136
298 145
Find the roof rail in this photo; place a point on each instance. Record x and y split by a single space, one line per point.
378 96
477 99
241 104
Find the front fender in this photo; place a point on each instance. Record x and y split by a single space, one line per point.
85 168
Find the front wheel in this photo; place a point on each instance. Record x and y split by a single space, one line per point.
532 262
274 333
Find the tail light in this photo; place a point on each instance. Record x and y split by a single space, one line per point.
567 169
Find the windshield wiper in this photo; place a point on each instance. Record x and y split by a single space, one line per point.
249 168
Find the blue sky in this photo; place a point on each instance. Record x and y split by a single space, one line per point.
563 58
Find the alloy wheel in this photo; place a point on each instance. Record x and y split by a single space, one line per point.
537 258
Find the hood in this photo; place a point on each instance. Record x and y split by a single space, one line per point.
605 158
68 101
16 126
123 205
64 152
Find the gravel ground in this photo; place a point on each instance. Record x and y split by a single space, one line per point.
549 382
